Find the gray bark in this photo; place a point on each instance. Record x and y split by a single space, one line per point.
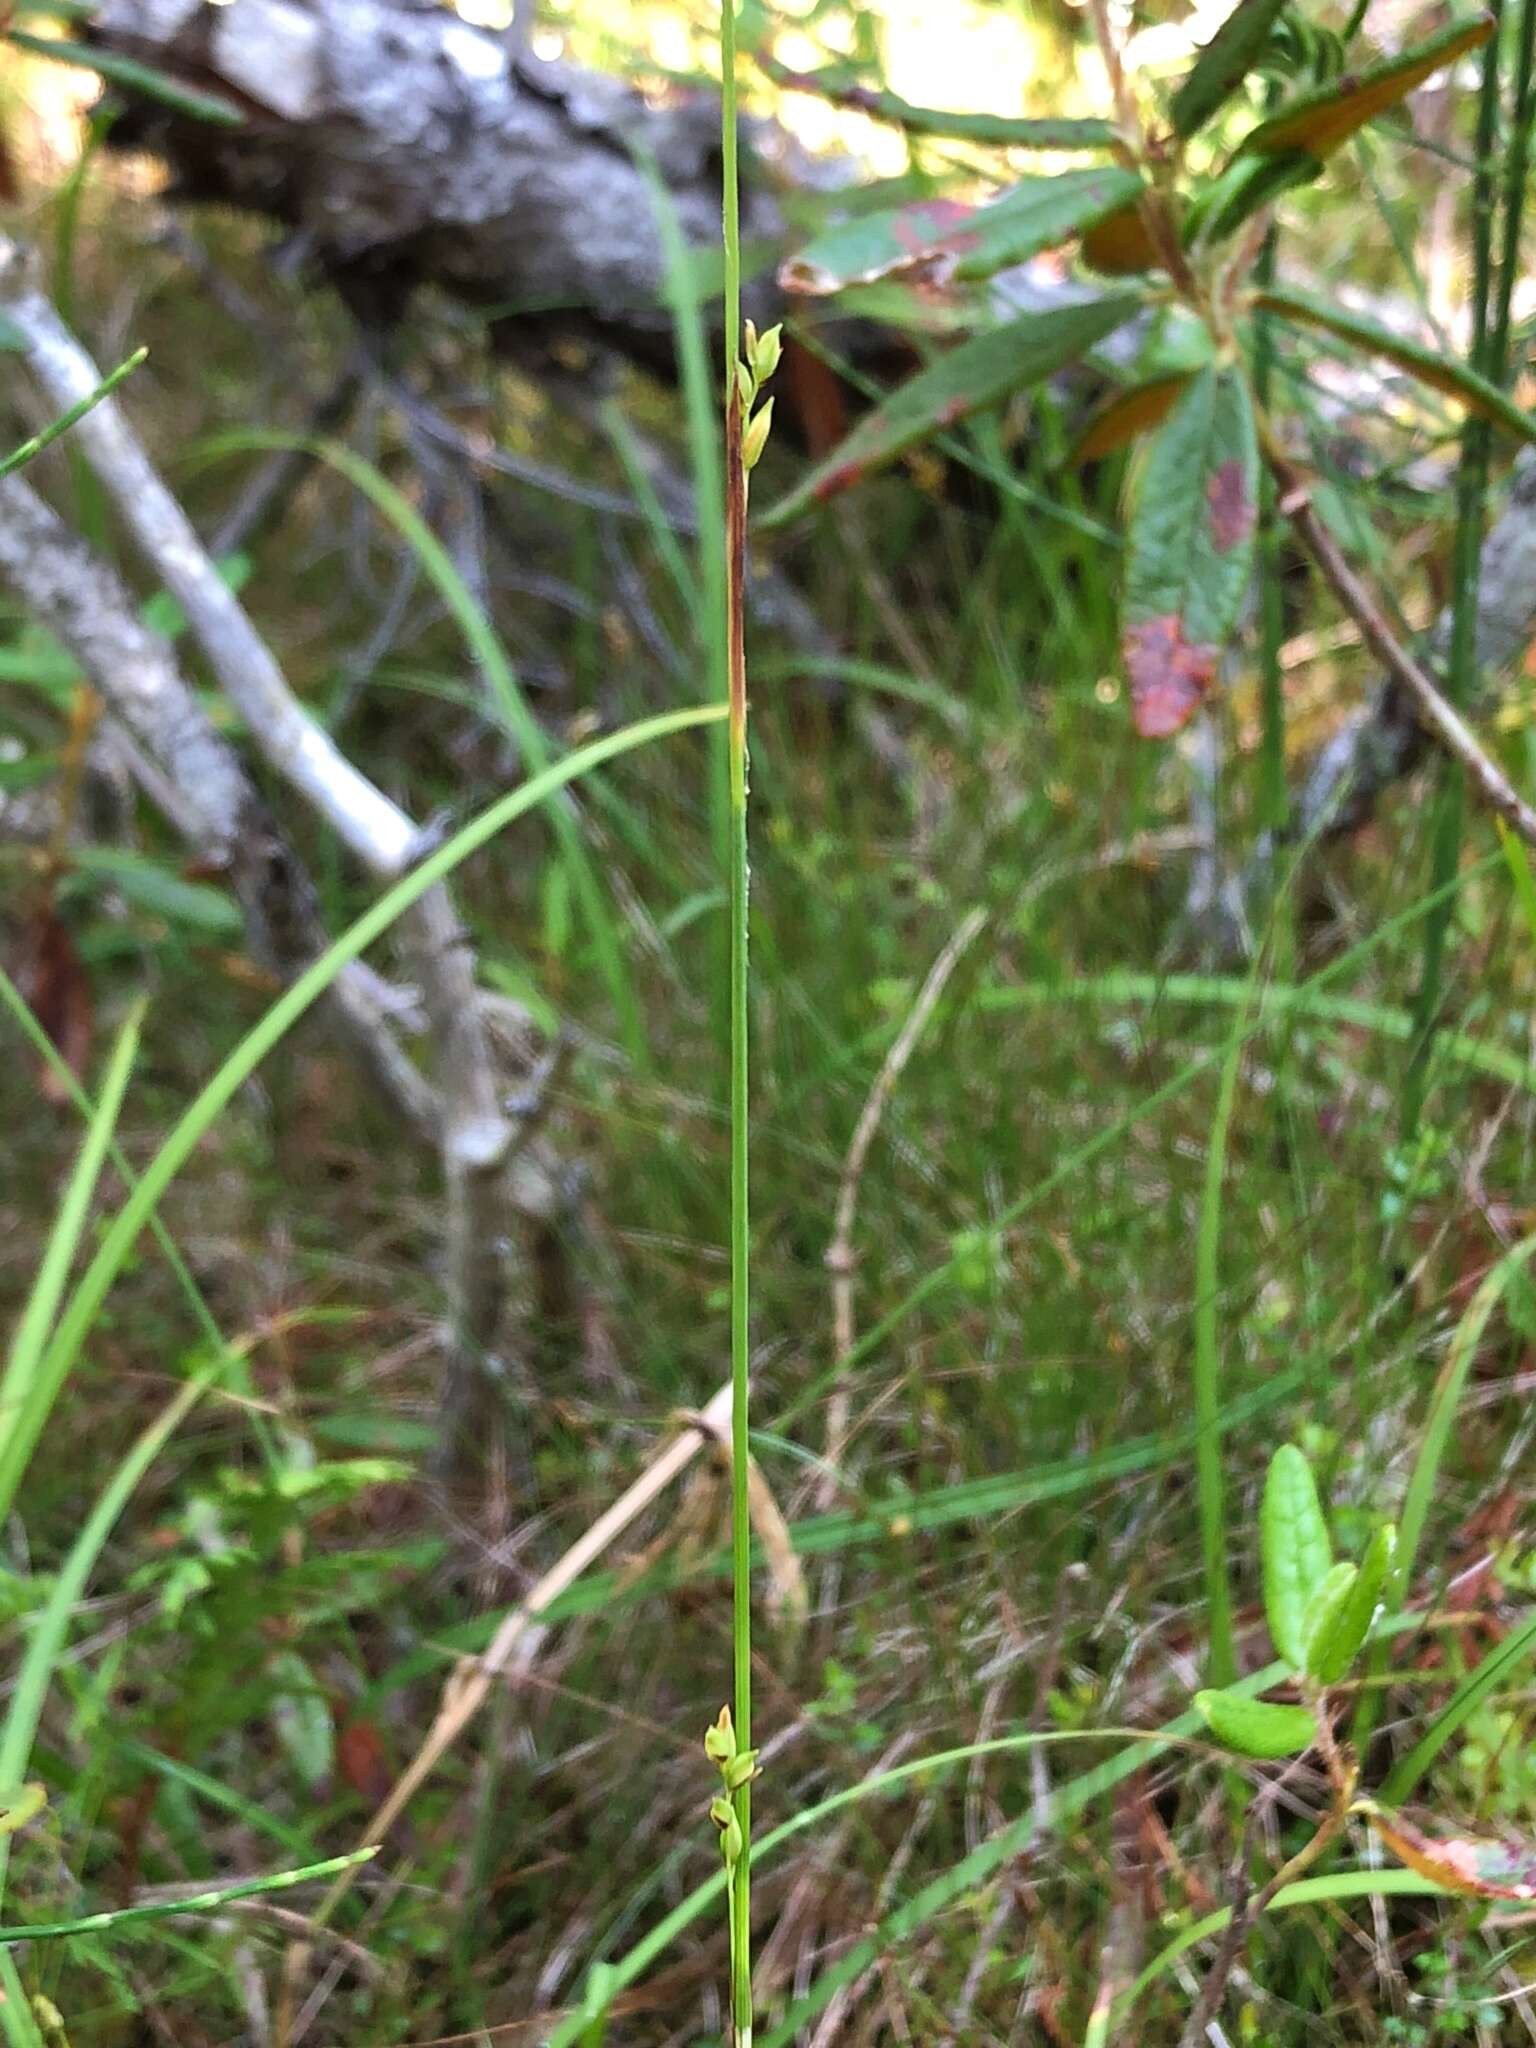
402 146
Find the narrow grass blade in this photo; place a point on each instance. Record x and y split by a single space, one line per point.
1496 1670
28 449
84 1304
197 1902
27 1393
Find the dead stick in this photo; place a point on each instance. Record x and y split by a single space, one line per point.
467 1687
839 1258
1441 719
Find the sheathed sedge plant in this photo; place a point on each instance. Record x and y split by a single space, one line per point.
1174 215
728 1741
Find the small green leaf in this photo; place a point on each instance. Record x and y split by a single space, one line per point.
157 889
1190 549
979 373
1317 1622
944 239
1340 1613
1219 208
1223 63
1256 1727
1321 120
1442 373
1296 1552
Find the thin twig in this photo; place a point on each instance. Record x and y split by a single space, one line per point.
839 1258
1444 723
470 1682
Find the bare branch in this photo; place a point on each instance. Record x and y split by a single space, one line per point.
1444 723
376 829
201 782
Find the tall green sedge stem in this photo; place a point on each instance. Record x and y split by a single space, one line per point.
736 740
1471 492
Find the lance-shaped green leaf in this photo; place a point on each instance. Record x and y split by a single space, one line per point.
1296 1553
943 238
996 131
1190 549
1319 121
1340 1612
137 77
1223 63
1441 373
1219 207
1129 413
979 373
1256 1727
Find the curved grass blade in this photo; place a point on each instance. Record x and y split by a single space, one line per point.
979 373
62 425
1443 1403
1319 121
996 131
1441 373
1307 1891
50 1626
1441 1419
196 1902
1189 550
1495 1671
1223 64
484 644
122 1234
25 1393
136 77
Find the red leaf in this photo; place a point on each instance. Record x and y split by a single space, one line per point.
362 1763
1168 677
54 983
1462 1863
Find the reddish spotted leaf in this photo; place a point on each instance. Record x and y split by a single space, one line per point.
979 373
941 240
1471 1864
1319 121
1190 549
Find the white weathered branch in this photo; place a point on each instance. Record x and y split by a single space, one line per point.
200 781
378 831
